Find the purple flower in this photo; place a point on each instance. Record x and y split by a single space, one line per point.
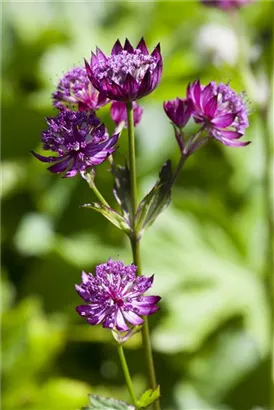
118 112
79 139
114 296
220 110
226 4
179 111
128 74
76 89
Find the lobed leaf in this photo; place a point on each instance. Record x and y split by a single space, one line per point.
105 403
156 200
121 189
149 397
114 217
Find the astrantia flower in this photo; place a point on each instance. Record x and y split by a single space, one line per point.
118 112
179 111
220 110
226 4
76 89
80 141
128 73
114 296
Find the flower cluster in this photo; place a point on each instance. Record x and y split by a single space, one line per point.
221 112
80 141
75 89
128 74
226 4
114 296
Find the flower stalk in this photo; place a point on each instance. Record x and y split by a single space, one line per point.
127 375
135 246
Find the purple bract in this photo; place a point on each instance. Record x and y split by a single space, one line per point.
80 140
76 89
220 110
118 112
226 4
179 111
114 296
128 73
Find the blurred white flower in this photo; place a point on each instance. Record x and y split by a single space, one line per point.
218 43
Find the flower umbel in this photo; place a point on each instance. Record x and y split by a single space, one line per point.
80 140
226 4
118 112
114 296
220 110
128 74
76 89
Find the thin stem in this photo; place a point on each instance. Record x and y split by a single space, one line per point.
99 195
132 160
127 375
178 169
135 245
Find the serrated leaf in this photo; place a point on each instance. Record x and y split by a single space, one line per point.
106 403
121 189
114 217
149 397
156 200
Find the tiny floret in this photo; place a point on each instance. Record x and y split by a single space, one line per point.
114 296
128 73
226 4
80 140
75 91
220 110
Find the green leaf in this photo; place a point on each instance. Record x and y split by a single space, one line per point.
105 403
121 189
114 217
156 200
149 397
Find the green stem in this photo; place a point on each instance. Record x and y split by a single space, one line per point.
99 195
132 160
135 245
127 375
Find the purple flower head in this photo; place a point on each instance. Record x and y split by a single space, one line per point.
128 74
220 110
76 89
179 111
114 296
226 4
118 112
79 139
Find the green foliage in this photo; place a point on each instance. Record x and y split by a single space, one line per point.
156 200
104 403
114 217
207 250
149 397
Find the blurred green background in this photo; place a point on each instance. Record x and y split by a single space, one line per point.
207 250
